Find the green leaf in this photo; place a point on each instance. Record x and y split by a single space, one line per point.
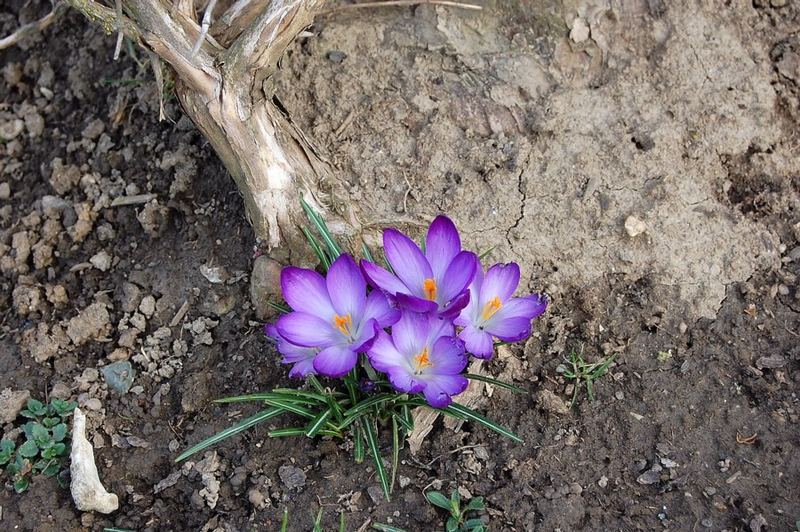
283 309
455 500
358 444
486 253
36 407
333 248
386 528
362 406
60 432
318 521
291 396
21 484
452 524
318 422
287 432
395 451
39 433
498 383
7 448
372 442
241 426
292 407
342 524
461 411
366 252
476 503
29 449
317 249
473 524
63 408
438 499
50 422
51 470
285 520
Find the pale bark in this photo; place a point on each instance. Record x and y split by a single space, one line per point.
224 87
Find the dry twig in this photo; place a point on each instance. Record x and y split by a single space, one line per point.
30 28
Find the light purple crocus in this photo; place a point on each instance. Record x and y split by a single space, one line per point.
302 358
422 355
492 312
333 314
433 282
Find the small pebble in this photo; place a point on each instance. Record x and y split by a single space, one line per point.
93 404
603 482
5 191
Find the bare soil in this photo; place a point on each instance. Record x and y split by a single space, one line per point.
640 162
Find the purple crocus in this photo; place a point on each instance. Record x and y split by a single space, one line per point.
333 314
422 355
435 281
302 358
492 312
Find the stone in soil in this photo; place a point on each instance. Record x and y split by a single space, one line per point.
11 403
118 376
292 477
90 324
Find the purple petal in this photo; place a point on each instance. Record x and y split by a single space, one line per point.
456 306
521 307
404 380
408 262
477 342
346 287
509 329
382 279
335 361
307 330
305 291
378 308
383 354
303 368
365 336
410 333
416 304
501 280
438 391
441 245
458 276
447 356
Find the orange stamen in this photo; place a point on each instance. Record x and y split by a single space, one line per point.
423 360
429 287
490 308
343 323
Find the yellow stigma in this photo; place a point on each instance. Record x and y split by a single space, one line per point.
422 360
429 287
343 323
490 308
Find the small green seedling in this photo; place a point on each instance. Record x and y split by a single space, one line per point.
458 520
583 373
45 447
317 525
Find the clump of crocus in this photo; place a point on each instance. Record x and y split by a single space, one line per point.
397 337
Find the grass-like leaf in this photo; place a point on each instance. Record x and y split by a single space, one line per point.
438 499
395 451
292 407
333 248
386 528
372 441
486 253
365 405
498 383
463 412
358 444
317 249
289 396
366 252
280 307
318 423
241 426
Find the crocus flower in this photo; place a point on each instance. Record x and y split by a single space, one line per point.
422 355
492 312
333 314
301 357
435 281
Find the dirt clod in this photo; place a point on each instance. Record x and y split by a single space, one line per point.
11 403
90 324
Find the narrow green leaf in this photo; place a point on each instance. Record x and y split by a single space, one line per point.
318 422
366 252
368 403
403 422
292 407
280 307
342 524
486 253
29 449
395 451
386 528
317 249
241 426
358 444
455 501
318 521
438 499
290 396
372 442
322 227
287 432
498 383
285 520
468 413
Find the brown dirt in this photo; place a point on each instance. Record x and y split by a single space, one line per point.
683 117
